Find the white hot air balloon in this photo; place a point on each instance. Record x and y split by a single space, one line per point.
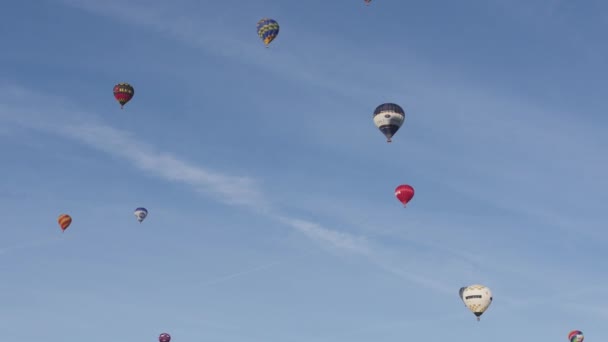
141 214
477 298
389 117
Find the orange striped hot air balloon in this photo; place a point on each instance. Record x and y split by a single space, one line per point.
64 221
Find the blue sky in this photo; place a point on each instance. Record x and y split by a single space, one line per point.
270 192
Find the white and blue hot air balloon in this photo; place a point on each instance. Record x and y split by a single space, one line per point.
389 117
141 214
477 298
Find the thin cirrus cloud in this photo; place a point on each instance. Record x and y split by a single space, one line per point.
503 140
480 129
31 111
503 144
28 109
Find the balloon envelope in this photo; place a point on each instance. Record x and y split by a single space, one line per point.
164 337
140 214
477 298
123 93
268 30
404 193
389 117
64 221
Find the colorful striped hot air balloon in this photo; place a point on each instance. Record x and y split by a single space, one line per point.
268 29
64 221
123 92
576 336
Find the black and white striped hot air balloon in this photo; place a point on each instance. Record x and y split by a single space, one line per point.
389 117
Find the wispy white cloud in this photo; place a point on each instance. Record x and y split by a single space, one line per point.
334 238
34 110
496 139
233 190
230 189
485 134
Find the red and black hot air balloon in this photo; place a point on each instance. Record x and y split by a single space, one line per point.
404 193
123 92
164 337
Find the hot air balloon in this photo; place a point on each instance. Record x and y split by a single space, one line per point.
477 298
64 221
576 336
404 193
389 117
164 337
141 214
367 2
123 92
268 29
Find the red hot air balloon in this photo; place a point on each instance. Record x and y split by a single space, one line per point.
164 337
404 193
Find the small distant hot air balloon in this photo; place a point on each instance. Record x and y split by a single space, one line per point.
164 337
389 117
123 92
367 2
64 221
268 29
404 193
477 298
141 214
576 336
